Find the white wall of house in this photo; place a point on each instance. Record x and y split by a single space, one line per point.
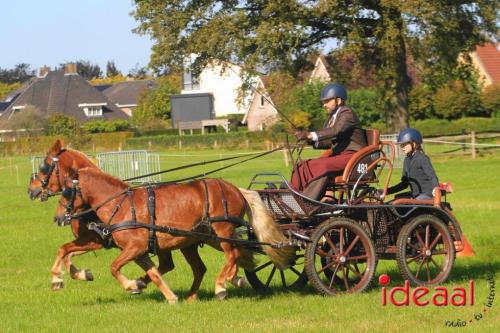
320 72
224 86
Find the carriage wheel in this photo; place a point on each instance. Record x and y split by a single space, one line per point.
267 275
340 258
425 251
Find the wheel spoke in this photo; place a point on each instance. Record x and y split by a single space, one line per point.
334 275
295 271
415 247
358 257
351 246
435 263
262 266
330 264
332 245
341 240
420 240
283 280
419 268
321 252
428 271
434 242
358 274
438 253
413 258
270 277
427 235
346 283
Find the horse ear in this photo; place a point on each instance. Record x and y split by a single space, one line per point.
57 147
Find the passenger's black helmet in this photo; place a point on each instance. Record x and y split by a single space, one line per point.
409 135
333 90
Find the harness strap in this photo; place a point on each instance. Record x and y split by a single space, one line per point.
224 201
188 233
132 207
116 209
152 218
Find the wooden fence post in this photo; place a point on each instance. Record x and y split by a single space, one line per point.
285 156
180 145
473 144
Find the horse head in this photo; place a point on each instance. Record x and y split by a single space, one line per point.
71 199
52 170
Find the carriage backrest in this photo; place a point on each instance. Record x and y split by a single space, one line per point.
361 160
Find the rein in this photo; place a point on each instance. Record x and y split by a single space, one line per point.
254 155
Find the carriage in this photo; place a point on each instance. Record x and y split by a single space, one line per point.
339 241
336 243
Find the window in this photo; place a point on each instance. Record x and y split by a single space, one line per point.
92 110
262 101
190 82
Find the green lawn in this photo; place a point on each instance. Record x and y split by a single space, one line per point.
29 240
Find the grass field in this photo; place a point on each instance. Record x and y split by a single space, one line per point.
29 240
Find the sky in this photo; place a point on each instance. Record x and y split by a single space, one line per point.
51 32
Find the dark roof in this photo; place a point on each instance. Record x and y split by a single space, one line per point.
3 106
489 55
58 92
128 92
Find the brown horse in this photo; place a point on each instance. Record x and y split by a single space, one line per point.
47 183
183 207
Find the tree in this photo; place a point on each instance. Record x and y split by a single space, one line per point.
154 105
60 124
281 33
87 70
29 122
111 70
6 89
490 98
20 73
138 72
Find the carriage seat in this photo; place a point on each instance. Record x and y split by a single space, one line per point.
360 161
436 201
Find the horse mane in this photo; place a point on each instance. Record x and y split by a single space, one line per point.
82 155
109 179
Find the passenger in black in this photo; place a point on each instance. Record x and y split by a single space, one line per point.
418 172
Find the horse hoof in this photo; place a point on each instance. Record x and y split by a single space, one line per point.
88 275
135 291
221 295
140 284
172 301
57 286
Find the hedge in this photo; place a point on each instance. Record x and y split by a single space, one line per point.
442 127
231 140
88 142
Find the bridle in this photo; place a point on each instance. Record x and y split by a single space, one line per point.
70 195
47 169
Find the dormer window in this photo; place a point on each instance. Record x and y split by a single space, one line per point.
92 110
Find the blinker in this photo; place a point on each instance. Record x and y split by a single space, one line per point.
44 167
67 192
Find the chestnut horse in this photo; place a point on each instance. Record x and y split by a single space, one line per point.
47 183
182 206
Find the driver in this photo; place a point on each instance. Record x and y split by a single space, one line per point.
341 132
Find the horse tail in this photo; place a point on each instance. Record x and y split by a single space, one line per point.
267 230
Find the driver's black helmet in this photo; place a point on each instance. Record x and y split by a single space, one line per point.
409 135
333 90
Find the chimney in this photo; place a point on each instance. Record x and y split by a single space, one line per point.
70 69
44 70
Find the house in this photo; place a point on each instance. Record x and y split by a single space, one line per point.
486 59
126 95
261 113
219 86
64 91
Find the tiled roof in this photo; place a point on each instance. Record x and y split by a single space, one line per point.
489 55
62 93
127 92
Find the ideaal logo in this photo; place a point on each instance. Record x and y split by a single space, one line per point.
423 296
438 296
